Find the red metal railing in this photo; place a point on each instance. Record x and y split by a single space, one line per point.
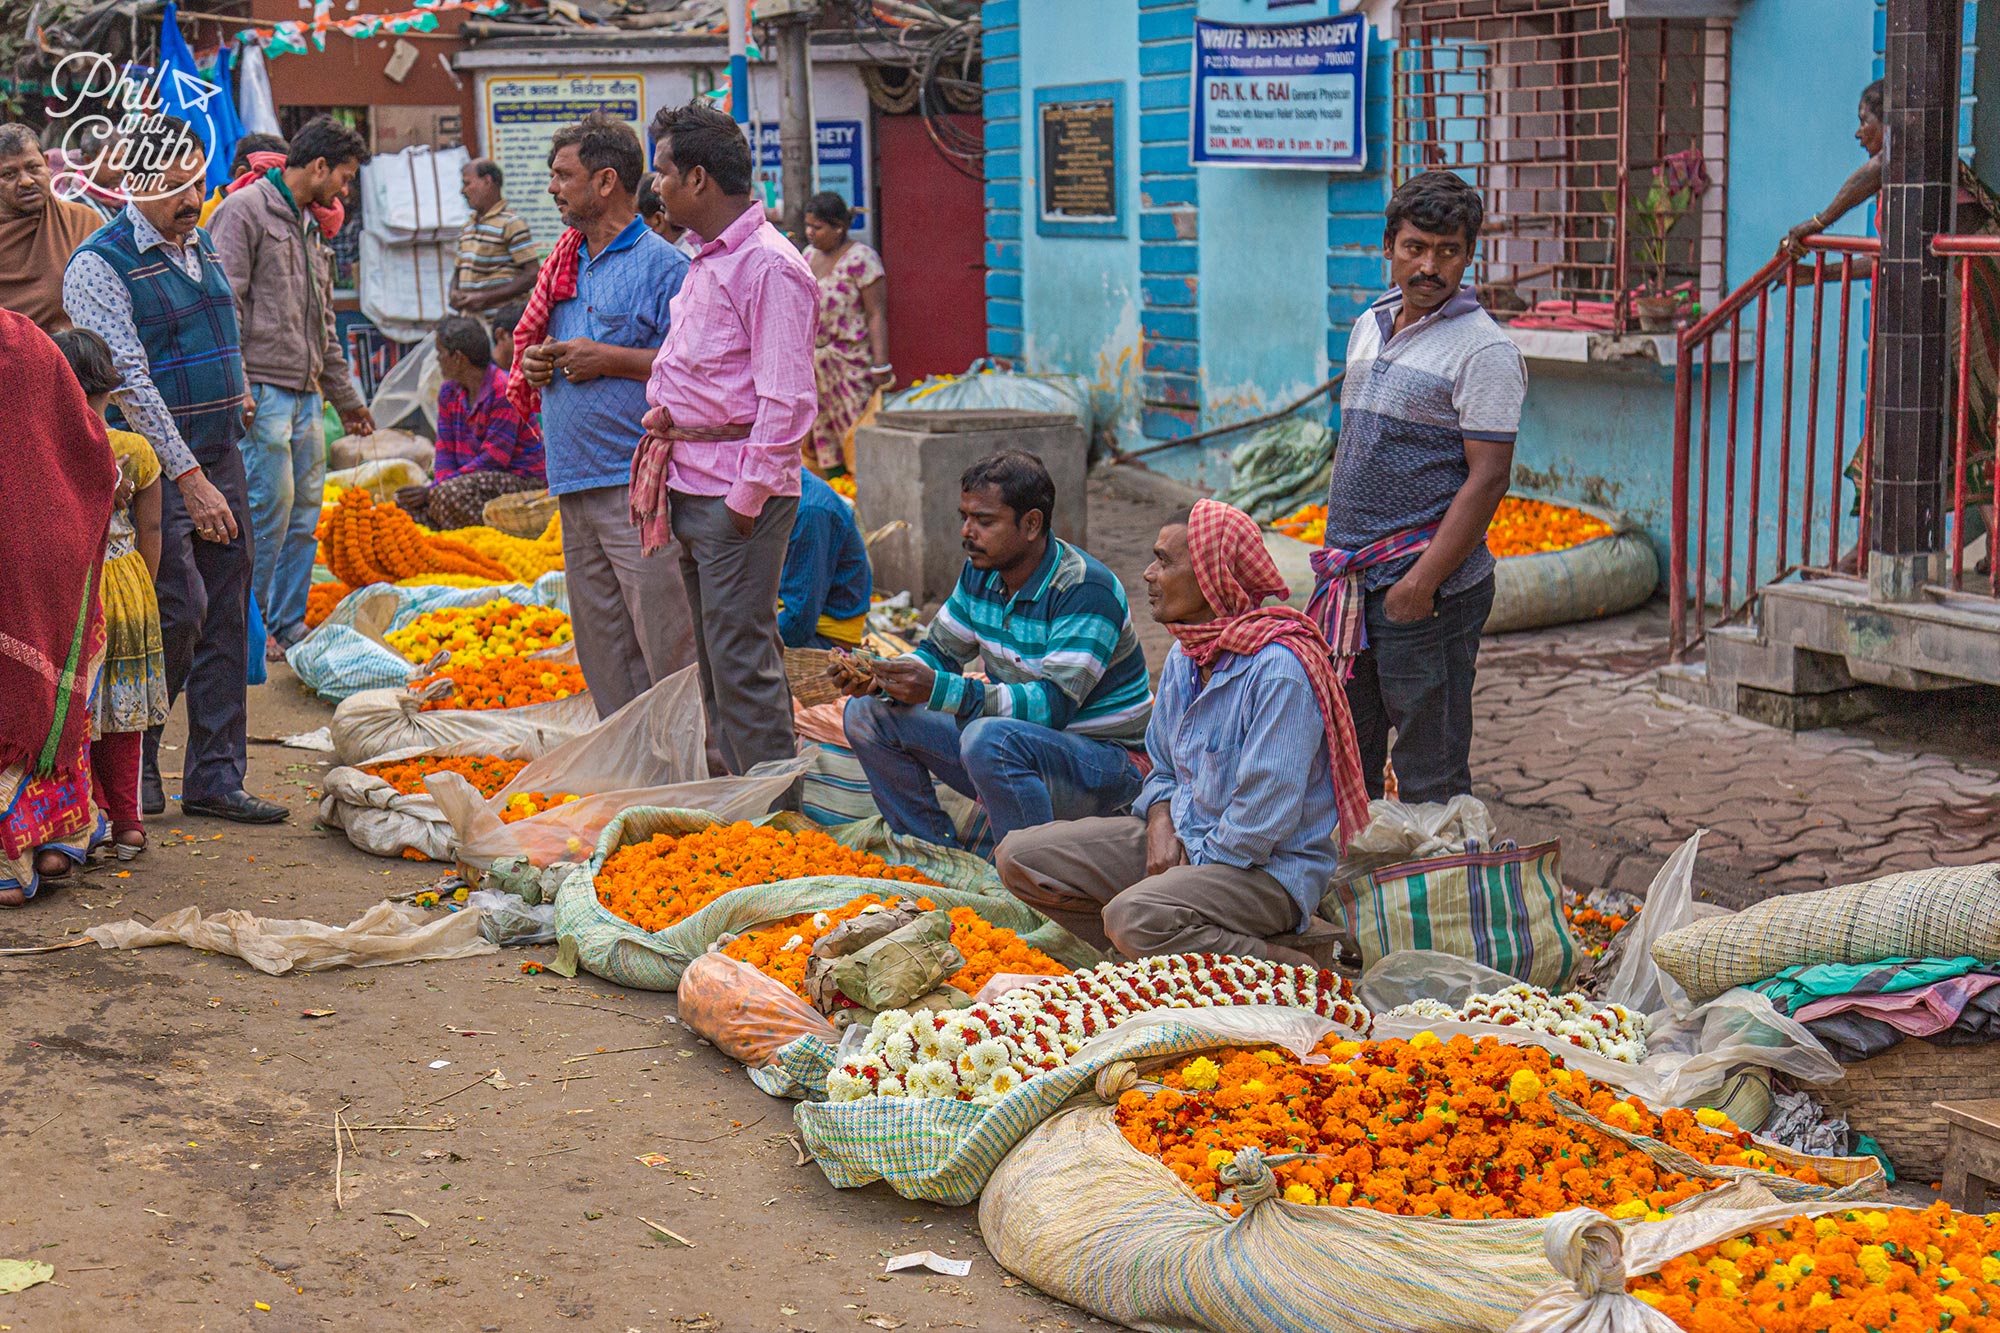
1844 262
1967 251
1812 536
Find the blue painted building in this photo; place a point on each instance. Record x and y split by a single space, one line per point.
1214 293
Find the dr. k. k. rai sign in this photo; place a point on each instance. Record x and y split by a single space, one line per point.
1280 94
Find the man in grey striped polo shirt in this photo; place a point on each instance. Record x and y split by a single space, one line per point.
1428 414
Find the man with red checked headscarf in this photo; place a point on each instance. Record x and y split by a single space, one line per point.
1256 780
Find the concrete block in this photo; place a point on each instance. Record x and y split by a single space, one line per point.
1807 712
913 461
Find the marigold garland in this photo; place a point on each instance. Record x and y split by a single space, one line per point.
363 543
321 598
1874 1269
512 682
524 559
474 635
485 772
655 883
982 1053
1457 1129
1520 527
780 949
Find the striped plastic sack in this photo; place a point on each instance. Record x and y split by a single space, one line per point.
1947 912
348 653
1501 908
611 947
943 1150
1089 1219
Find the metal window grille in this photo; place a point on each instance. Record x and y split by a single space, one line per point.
1560 116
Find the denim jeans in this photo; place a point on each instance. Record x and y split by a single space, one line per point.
1024 774
284 458
1417 678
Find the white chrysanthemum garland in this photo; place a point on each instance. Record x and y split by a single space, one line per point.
1612 1031
981 1054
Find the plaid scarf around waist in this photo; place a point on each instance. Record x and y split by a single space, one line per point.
647 497
1338 596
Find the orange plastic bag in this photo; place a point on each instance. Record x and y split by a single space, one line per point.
746 1014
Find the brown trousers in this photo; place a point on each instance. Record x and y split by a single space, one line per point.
1089 876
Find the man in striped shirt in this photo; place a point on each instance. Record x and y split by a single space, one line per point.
497 262
1051 732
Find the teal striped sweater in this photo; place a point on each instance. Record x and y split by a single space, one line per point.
1061 652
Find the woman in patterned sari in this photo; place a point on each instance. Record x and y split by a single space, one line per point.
57 479
851 356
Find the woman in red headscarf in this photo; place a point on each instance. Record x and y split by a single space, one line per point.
57 478
1255 776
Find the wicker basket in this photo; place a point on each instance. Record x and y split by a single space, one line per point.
523 514
805 670
1889 1098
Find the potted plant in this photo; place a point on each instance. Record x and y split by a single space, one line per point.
1676 183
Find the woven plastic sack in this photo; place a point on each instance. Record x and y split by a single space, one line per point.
349 651
608 946
373 724
648 753
1087 1218
351 451
1600 577
381 820
1595 1257
748 1016
1947 912
380 477
1500 907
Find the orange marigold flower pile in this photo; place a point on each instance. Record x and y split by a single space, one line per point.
1520 527
472 634
527 804
1526 527
1593 929
780 949
655 883
363 543
503 682
1424 1128
486 773
1863 1270
321 598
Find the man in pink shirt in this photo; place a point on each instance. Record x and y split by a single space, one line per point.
731 397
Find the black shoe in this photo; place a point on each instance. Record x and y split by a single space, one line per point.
238 806
152 796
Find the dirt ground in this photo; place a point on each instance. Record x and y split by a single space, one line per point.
169 1147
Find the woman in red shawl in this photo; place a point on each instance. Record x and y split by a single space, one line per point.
56 483
1255 776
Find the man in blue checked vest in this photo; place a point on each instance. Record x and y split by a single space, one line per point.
149 282
1428 413
1056 729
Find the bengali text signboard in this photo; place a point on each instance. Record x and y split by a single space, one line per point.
523 111
1077 132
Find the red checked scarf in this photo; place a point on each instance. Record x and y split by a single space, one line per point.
1236 574
56 481
556 282
648 493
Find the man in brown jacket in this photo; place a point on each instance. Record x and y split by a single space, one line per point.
281 274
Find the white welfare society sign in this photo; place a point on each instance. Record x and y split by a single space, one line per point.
1280 94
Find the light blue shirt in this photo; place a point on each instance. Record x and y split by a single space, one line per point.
590 430
1243 761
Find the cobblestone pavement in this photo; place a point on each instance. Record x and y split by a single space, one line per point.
1573 740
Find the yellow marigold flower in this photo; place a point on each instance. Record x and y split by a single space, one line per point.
1202 1075
1629 1208
1989 1269
1300 1194
1733 1250
1524 1086
1724 1269
1713 1118
1820 1298
1649 1297
1219 1158
1874 1263
1423 1040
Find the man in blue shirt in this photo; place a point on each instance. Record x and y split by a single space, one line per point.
1233 840
823 592
630 610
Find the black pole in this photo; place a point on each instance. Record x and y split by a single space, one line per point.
1912 367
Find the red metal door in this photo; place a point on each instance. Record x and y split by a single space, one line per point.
933 245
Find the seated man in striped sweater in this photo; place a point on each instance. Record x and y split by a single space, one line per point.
1052 731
